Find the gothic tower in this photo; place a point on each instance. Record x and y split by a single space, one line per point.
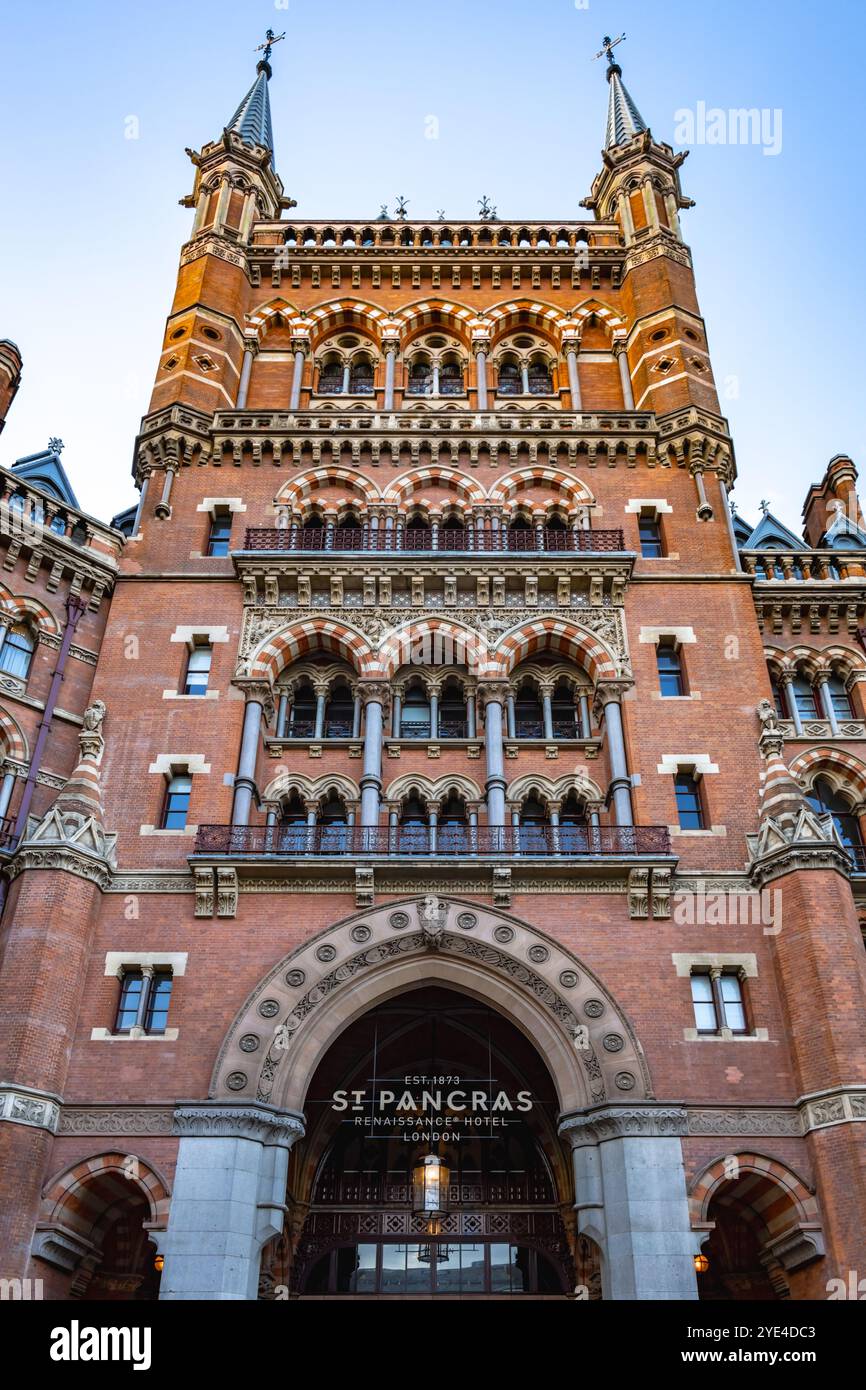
425 742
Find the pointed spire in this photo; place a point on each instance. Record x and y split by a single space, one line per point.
624 121
252 120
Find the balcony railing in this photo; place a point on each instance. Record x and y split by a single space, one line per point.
529 842
318 540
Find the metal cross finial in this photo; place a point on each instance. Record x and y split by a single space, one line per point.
402 208
270 39
440 213
607 44
383 212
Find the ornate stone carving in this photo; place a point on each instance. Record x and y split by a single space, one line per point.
624 1122
111 1120
22 1105
218 1119
733 1121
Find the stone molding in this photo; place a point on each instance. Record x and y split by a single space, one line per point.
648 1121
214 1119
24 1105
116 1119
824 1109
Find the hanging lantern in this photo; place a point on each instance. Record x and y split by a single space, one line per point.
702 1264
158 1263
430 1182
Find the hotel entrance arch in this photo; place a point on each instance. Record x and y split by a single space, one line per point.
260 1114
432 1072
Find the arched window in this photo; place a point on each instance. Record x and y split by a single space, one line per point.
566 716
331 377
827 801
540 379
521 533
780 699
302 720
840 698
176 804
534 826
415 718
804 696
361 377
510 380
452 835
573 823
17 651
452 711
333 823
414 834
339 711
418 535
420 377
528 717
293 835
451 378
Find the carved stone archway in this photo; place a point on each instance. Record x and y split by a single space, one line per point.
294 1014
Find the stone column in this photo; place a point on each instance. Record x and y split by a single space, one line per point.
786 680
621 354
251 347
356 715
200 211
222 206
6 791
524 378
585 724
480 346
397 715
374 695
546 690
631 1198
390 347
571 343
511 714
649 202
673 215
433 691
282 714
432 824
705 511
300 347
249 211
321 690
609 696
626 217
139 511
822 681
258 699
229 1197
493 696
470 714
163 506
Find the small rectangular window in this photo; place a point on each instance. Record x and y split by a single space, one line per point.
731 992
703 1000
131 987
220 533
158 999
650 531
198 669
176 804
689 806
670 668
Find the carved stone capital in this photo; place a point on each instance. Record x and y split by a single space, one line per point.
23 1105
495 692
645 1121
253 1120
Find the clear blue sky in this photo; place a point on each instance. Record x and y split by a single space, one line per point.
92 228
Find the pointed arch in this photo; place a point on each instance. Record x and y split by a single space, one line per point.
430 641
525 313
347 313
613 321
438 313
560 635
570 489
408 484
433 789
13 741
843 770
296 1011
305 635
68 1198
311 480
25 609
260 318
781 1196
311 788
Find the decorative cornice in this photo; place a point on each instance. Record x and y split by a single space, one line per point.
646 1121
24 1105
213 1119
824 1109
116 1119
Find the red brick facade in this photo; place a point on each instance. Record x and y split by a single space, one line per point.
432 422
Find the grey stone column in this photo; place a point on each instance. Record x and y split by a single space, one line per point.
163 506
571 343
787 681
705 511
481 374
631 1198
822 682
6 790
229 1197
250 348
493 695
321 691
245 778
609 697
375 698
624 375
390 346
547 710
142 498
300 347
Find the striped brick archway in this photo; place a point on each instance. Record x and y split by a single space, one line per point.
410 485
312 480
768 1194
432 642
77 1198
297 639
568 488
12 740
843 768
557 635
